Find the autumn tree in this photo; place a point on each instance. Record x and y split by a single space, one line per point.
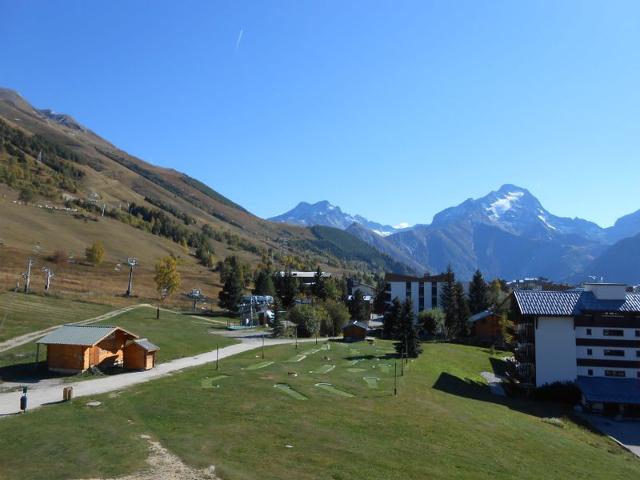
167 277
95 253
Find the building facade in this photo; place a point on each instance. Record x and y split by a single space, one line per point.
424 292
589 336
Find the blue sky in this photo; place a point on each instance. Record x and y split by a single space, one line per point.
394 110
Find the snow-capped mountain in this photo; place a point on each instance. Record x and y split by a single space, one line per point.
515 210
329 215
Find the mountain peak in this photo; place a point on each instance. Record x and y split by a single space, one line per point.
325 213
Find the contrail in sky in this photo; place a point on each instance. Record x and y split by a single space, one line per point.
239 38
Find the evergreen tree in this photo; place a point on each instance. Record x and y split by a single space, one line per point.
478 294
279 329
461 311
231 293
359 308
287 289
263 283
447 300
380 301
408 343
391 320
319 288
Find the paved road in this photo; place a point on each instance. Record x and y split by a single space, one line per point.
30 337
46 393
625 432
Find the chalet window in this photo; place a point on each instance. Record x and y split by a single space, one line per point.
608 332
421 296
637 333
614 373
588 331
407 290
590 372
638 373
637 353
589 351
614 353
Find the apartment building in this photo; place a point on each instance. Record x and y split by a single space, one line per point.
424 292
590 336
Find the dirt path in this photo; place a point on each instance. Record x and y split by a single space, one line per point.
164 465
30 337
45 394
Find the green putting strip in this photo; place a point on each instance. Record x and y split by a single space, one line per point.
330 388
297 358
290 391
311 351
257 366
372 382
325 369
356 370
208 382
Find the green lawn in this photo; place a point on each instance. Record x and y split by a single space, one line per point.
20 313
177 335
444 423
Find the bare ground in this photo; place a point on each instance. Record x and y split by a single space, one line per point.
164 465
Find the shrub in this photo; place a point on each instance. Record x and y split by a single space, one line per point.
95 253
432 321
59 257
560 392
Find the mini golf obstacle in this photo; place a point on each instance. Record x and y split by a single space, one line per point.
383 367
283 387
336 391
356 370
372 382
297 358
208 383
325 369
311 351
257 366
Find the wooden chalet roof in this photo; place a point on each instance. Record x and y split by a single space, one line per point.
84 335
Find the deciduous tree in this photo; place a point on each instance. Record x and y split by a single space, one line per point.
167 277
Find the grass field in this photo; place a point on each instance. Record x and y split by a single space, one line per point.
176 335
20 313
444 423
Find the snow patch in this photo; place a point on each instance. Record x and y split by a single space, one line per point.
382 233
504 204
401 225
547 224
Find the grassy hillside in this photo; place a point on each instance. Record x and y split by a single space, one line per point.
444 424
21 314
50 159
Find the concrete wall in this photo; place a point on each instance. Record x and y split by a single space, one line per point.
555 350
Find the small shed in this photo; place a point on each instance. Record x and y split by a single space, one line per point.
76 348
140 354
355 331
486 326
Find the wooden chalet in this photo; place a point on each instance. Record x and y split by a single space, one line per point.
76 348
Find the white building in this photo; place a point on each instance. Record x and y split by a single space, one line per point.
424 292
589 336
